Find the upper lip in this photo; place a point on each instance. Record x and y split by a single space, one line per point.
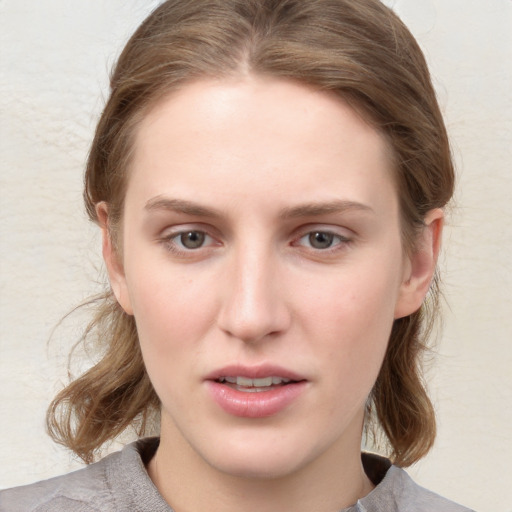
254 372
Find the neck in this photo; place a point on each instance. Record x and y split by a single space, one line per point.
189 483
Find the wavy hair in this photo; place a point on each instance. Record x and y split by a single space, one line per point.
359 50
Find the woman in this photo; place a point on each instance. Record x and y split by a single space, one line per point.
269 177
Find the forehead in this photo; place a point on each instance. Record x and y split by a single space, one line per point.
253 135
282 106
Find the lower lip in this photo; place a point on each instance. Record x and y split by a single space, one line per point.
255 405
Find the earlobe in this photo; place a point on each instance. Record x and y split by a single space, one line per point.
112 261
421 264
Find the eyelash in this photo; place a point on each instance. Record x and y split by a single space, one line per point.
338 241
173 242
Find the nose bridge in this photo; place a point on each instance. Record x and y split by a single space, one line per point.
253 305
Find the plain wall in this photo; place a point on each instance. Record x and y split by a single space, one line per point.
55 57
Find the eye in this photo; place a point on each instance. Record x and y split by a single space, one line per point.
187 241
322 240
190 239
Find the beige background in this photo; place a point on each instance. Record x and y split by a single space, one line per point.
55 55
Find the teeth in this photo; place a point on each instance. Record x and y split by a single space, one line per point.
245 382
264 382
278 380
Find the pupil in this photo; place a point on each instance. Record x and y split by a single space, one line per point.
321 240
192 239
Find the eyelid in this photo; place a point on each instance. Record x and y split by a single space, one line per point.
345 237
341 238
174 229
169 234
336 230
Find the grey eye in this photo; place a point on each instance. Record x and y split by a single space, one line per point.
320 239
192 239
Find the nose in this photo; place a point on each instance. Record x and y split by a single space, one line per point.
253 305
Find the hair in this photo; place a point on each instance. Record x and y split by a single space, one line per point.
358 50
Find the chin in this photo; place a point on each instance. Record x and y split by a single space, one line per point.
260 468
259 460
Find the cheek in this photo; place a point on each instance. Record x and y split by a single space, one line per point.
173 310
354 302
351 319
170 330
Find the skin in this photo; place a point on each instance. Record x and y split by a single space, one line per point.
243 162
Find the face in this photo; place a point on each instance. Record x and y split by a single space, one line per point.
263 263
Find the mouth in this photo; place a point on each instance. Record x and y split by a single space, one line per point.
255 392
259 385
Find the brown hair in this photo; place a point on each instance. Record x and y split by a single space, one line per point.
359 50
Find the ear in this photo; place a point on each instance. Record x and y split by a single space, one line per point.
112 261
420 265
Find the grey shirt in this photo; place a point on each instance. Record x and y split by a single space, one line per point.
120 482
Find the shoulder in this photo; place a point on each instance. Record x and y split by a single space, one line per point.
395 491
105 486
412 496
85 489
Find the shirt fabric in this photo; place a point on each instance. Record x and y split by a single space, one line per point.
120 482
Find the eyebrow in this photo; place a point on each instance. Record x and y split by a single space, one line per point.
180 206
313 209
323 208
